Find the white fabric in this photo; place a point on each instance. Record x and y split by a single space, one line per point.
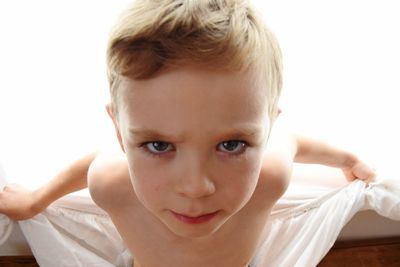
75 238
303 227
301 235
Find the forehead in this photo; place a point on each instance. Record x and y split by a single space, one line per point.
194 79
192 96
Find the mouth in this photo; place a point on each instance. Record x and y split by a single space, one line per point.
196 219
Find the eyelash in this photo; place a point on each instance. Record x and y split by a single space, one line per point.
244 144
147 150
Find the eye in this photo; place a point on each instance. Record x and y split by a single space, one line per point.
158 147
232 146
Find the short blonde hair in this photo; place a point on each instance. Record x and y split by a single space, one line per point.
221 34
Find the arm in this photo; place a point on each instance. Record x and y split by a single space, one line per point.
313 151
20 204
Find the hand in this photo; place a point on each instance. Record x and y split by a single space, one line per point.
360 170
18 203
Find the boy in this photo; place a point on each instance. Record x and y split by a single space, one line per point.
194 91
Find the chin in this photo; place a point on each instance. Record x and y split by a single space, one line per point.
194 231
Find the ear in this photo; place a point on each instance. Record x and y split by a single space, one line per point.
273 119
276 115
116 125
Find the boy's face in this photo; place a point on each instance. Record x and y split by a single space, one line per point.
194 140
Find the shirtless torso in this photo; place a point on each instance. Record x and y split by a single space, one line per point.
153 245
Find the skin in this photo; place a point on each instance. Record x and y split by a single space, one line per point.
194 141
210 161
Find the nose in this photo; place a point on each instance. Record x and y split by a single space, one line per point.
194 181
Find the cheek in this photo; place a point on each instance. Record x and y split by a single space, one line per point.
241 177
149 182
247 178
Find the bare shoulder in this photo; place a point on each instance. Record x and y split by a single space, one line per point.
108 180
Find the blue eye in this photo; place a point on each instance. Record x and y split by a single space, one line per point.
158 147
232 146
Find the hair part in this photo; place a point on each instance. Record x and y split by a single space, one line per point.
219 34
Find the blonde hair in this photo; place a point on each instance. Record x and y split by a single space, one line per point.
221 34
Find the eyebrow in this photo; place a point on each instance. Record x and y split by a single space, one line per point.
149 133
240 131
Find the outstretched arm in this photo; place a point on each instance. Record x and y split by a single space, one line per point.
313 151
21 204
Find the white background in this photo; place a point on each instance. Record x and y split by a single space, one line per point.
341 78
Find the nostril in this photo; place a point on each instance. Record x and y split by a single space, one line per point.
195 188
